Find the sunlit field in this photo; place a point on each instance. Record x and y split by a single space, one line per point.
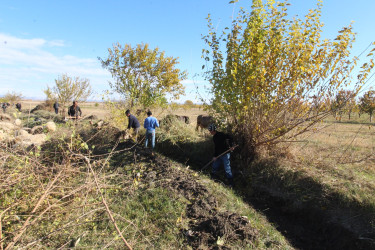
339 154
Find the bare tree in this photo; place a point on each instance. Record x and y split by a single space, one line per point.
12 97
68 89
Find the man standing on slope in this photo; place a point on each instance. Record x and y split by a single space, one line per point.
74 110
56 107
150 124
133 123
223 143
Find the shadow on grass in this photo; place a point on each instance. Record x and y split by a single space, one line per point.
194 154
308 213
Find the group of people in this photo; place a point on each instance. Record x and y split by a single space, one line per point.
74 111
150 124
5 105
223 143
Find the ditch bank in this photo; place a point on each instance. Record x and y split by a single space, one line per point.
207 224
313 218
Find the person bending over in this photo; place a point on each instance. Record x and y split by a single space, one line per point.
223 142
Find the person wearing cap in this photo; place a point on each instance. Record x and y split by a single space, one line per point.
223 142
150 124
133 123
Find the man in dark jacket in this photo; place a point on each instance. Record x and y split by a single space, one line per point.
223 143
4 106
18 106
74 110
56 107
133 123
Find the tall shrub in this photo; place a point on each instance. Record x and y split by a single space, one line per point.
269 74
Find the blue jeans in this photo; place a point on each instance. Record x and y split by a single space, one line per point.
150 135
225 160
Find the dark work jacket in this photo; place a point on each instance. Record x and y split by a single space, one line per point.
74 111
133 122
222 143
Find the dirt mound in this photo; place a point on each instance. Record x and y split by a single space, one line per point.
5 117
42 106
90 117
208 227
229 227
103 138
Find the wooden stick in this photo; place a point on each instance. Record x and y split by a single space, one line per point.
225 152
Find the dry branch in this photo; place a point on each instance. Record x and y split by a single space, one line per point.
225 152
104 201
26 223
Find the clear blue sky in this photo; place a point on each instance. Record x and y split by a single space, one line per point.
40 40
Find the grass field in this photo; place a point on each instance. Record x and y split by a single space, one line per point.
340 155
330 170
99 109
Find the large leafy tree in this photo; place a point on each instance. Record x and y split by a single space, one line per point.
270 74
68 89
367 103
143 76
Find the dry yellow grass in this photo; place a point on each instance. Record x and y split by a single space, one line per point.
100 110
340 155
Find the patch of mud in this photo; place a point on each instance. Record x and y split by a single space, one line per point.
208 227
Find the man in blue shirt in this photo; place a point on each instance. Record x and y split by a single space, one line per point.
150 124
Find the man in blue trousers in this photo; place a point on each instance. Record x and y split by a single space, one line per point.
150 124
223 143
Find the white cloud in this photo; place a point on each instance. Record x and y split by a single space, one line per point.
11 42
56 43
28 66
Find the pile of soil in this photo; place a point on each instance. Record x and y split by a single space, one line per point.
207 225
